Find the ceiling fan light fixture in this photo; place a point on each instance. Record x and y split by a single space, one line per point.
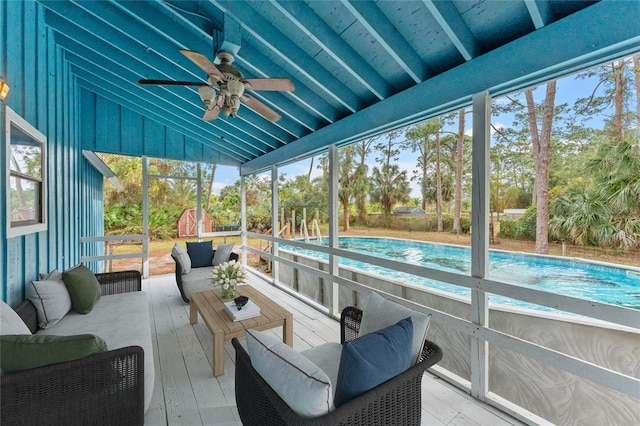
207 94
235 87
234 103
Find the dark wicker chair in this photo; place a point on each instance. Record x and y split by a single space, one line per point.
232 256
394 402
102 389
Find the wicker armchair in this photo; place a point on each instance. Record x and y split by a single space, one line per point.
232 256
106 388
394 402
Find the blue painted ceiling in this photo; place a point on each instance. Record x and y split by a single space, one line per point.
359 67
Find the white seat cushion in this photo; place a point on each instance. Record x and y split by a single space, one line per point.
121 320
199 279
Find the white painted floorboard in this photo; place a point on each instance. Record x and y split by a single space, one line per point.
186 393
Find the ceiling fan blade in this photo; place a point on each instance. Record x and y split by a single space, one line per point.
260 108
274 84
203 62
171 83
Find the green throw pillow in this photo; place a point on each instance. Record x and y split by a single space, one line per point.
25 351
83 287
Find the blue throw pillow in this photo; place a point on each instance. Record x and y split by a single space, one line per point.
373 359
201 254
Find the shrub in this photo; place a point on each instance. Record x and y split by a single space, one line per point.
259 217
526 225
508 229
465 224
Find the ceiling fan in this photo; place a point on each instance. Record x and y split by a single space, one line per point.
226 86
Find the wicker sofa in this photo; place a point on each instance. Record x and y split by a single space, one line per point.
106 388
396 401
197 279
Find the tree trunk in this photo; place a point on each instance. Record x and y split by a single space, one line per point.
345 214
618 78
636 70
457 229
361 200
541 153
438 185
213 173
424 153
310 170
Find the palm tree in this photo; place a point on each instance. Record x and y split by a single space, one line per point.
389 186
616 167
578 217
346 175
605 211
361 179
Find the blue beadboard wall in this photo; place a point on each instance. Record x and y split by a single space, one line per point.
112 128
45 93
92 219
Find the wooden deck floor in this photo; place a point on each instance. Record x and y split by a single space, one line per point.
186 393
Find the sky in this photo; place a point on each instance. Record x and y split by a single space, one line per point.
568 90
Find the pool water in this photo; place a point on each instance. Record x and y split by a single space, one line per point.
571 277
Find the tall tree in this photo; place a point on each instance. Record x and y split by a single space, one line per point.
459 165
310 170
541 150
388 151
438 183
618 81
636 71
421 141
210 186
346 174
389 186
613 90
361 181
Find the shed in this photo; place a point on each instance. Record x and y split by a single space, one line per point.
187 224
409 210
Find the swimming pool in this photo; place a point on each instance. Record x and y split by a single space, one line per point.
571 277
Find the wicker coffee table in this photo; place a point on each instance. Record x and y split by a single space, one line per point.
210 305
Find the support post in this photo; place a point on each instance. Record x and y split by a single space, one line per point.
243 220
145 216
333 229
480 238
199 202
275 275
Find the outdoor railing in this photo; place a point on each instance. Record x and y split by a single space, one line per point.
94 254
309 278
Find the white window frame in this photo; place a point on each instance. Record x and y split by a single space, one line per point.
13 229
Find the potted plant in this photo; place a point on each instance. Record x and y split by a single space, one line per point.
228 275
